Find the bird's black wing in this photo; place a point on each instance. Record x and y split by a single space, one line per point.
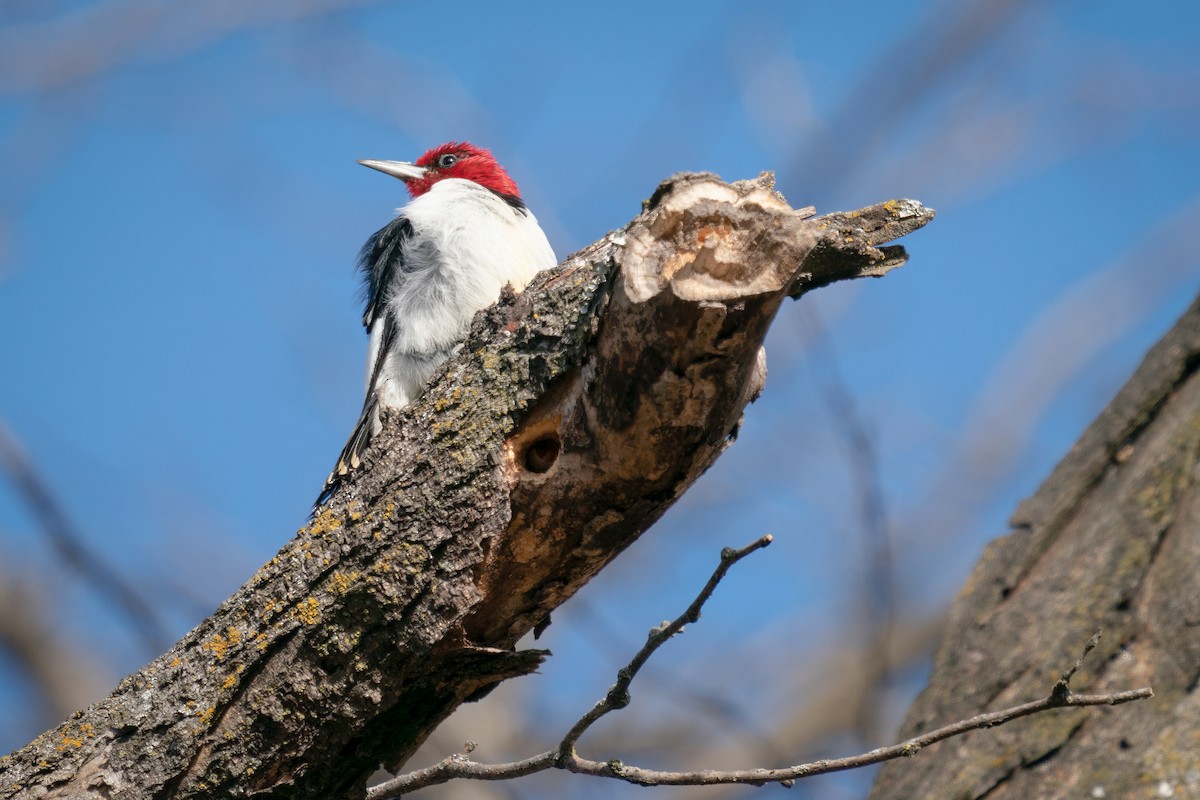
380 259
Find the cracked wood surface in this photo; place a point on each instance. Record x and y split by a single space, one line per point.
1111 540
572 418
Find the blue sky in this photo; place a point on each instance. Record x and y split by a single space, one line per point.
179 218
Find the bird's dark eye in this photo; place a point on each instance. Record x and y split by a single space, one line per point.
448 160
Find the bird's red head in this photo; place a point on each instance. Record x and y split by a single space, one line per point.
461 160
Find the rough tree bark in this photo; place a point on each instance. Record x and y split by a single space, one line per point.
1111 540
572 418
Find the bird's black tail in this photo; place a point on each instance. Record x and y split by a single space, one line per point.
351 455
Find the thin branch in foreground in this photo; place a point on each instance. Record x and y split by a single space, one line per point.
564 756
459 766
618 695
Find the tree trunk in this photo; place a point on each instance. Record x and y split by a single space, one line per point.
1111 541
573 416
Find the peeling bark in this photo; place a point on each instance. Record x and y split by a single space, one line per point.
572 418
1111 540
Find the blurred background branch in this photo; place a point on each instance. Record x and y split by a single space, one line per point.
72 549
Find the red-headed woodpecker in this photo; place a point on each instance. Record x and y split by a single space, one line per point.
447 254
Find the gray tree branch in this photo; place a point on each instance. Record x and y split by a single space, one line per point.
572 418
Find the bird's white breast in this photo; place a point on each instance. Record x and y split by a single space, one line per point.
467 243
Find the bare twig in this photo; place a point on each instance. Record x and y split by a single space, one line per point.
648 777
564 756
728 713
618 695
1062 687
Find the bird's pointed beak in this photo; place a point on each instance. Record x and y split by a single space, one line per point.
397 169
